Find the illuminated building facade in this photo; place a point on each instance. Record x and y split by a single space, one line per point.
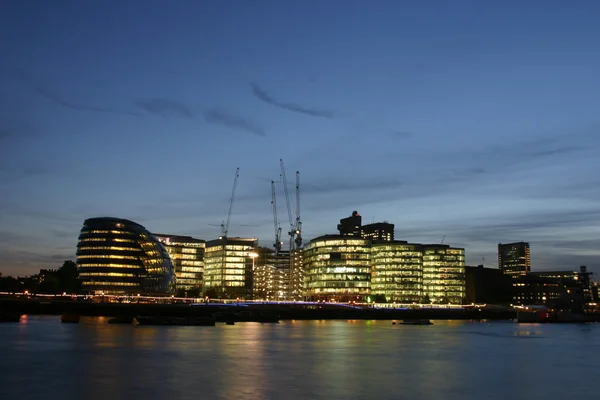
397 271
187 255
228 264
443 274
379 231
271 275
337 268
514 258
117 256
297 275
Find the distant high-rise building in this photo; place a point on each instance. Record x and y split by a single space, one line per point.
228 268
187 254
378 231
397 271
443 273
351 226
514 258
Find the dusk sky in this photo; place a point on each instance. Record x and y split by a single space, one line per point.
474 120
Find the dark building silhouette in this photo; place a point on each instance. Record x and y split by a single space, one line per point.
351 226
117 256
514 258
487 286
379 231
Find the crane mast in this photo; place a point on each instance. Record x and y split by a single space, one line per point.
225 226
287 201
298 227
278 242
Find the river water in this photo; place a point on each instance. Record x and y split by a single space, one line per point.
42 358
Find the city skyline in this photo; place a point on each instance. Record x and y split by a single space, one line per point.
469 121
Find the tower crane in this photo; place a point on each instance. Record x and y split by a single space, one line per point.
278 243
298 227
225 226
287 201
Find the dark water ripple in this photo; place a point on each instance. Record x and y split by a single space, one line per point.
40 358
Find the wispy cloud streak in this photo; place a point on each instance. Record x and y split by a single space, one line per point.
51 95
262 95
220 117
164 108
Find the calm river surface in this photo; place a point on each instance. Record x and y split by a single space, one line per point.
42 358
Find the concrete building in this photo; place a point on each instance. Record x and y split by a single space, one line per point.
296 288
187 255
487 286
271 275
514 258
378 231
351 226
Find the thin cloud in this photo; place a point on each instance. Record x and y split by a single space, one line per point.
51 95
219 117
164 108
262 95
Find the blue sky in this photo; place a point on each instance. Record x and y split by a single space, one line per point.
477 121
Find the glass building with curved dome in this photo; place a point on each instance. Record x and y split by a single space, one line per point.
118 256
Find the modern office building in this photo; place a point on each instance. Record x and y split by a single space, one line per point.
397 271
514 258
187 255
378 231
351 226
443 274
228 268
296 275
337 268
117 256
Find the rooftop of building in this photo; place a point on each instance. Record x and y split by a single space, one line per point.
96 220
179 238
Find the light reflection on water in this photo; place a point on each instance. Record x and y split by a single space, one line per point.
43 358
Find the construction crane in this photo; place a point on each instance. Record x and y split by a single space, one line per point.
225 226
278 243
287 201
298 227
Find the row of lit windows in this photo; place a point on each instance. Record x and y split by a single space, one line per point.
105 274
108 256
85 248
96 283
106 232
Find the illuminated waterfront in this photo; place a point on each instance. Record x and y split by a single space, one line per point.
43 358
